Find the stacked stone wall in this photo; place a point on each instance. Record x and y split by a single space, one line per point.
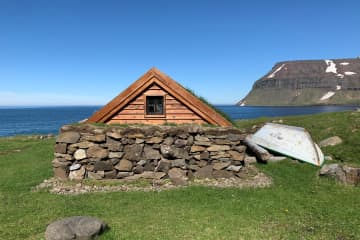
152 152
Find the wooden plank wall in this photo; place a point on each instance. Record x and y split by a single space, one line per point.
175 111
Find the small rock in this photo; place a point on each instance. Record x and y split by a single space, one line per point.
217 148
332 141
219 155
77 174
201 143
110 174
68 137
93 175
138 169
68 157
203 163
78 227
328 158
168 141
123 174
135 135
101 173
80 154
124 165
190 141
196 148
60 162
147 175
194 128
115 147
75 167
221 165
222 174
115 135
178 163
116 154
177 176
204 155
180 143
150 165
163 166
204 172
103 166
153 175
201 138
133 152
95 138
154 140
115 161
234 168
83 144
151 153
235 137
97 152
274 159
60 147
352 175
139 140
329 169
250 159
241 148
333 170
61 172
171 152
194 167
234 155
141 162
222 141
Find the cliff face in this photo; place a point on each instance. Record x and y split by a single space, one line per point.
307 83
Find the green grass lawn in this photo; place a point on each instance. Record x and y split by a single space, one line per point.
298 206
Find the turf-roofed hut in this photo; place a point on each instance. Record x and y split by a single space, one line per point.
155 98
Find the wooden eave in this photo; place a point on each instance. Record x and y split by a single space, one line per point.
169 85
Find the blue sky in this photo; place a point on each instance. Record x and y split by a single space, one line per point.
70 52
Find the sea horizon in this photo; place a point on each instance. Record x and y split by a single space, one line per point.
27 120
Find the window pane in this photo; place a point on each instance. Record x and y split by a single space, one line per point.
155 105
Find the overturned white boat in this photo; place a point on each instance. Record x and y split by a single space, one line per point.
291 141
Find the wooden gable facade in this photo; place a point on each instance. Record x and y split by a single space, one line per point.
155 98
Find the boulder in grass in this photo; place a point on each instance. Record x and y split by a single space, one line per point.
343 173
79 227
331 141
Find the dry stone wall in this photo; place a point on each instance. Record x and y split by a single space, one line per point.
152 152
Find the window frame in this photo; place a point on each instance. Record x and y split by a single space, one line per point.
163 115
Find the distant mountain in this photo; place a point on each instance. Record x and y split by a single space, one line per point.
308 82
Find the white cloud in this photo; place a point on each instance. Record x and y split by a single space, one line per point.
8 98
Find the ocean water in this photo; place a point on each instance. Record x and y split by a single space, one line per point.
48 120
41 120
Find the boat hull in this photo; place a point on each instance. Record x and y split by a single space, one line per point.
291 141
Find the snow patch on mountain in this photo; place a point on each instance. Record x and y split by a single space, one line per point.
327 95
349 73
331 66
340 75
277 70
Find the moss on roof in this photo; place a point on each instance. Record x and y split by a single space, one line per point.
224 115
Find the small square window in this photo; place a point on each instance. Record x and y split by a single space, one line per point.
154 105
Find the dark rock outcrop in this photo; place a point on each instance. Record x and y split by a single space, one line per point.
308 82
